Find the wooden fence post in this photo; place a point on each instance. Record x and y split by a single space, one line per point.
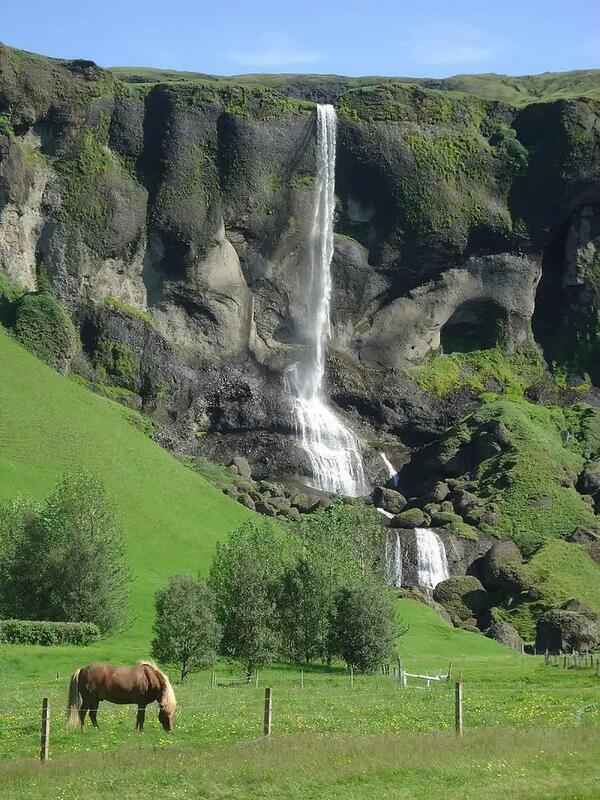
449 676
268 712
351 677
302 679
212 679
45 731
256 679
458 707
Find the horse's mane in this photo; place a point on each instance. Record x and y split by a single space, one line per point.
167 700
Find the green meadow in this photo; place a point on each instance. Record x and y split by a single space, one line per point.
531 729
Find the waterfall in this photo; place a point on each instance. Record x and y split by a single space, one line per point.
432 566
392 471
333 449
393 559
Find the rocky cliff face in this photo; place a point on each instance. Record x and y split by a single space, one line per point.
173 222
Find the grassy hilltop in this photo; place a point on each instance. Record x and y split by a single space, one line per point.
518 91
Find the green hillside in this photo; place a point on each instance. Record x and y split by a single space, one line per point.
171 515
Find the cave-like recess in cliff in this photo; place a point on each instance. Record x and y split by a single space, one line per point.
475 325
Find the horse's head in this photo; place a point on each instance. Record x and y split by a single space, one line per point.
166 718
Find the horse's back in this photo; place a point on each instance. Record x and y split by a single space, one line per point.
120 684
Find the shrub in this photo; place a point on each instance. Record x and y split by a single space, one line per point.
363 629
186 630
22 631
45 328
63 560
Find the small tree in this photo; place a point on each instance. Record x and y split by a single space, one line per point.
244 577
186 630
362 629
303 605
64 559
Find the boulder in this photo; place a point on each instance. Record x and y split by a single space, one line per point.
589 479
264 507
584 536
273 489
247 501
293 514
240 466
305 503
570 627
389 499
501 569
439 493
231 491
445 518
505 633
412 518
464 501
464 598
282 504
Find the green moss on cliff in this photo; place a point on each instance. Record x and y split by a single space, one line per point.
481 370
117 362
88 176
532 480
563 570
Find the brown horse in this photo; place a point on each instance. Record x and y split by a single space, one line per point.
141 684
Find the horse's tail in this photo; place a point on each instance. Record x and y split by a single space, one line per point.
167 700
74 701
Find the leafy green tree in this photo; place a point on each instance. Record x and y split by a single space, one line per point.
303 605
64 559
342 546
362 628
186 630
244 577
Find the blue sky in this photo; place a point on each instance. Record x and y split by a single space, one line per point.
381 37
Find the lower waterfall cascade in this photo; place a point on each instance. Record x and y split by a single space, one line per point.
432 564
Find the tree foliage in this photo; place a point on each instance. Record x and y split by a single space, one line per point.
362 628
278 593
186 630
244 577
64 559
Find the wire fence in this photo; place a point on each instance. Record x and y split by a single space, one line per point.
309 702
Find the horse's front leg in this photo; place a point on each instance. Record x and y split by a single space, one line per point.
82 712
93 713
141 716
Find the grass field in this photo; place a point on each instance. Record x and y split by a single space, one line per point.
531 729
172 516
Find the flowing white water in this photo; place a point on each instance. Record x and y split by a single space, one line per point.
393 559
333 449
392 471
432 565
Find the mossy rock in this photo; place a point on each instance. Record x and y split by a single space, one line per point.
463 597
502 569
443 518
462 530
389 499
45 328
412 518
118 362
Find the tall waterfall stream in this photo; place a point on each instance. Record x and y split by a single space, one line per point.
333 448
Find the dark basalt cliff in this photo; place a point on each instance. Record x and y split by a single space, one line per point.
172 220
